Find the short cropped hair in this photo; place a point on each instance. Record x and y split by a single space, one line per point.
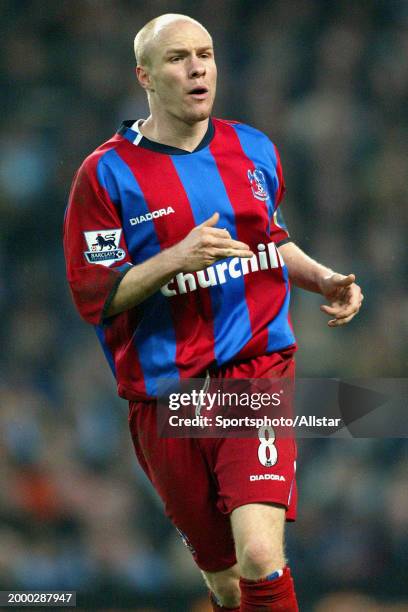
146 35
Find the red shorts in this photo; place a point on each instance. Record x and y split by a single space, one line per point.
202 480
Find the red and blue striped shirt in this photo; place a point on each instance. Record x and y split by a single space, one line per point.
132 198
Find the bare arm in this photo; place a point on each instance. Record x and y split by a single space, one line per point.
141 281
304 272
343 294
203 246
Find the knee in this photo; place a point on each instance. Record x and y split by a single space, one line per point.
259 558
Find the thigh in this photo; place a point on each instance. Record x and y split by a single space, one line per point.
243 478
179 472
260 468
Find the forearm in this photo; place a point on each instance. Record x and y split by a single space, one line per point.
143 280
203 246
304 272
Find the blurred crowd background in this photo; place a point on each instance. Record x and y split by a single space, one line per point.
328 81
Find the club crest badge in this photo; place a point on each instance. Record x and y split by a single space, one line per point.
103 247
258 184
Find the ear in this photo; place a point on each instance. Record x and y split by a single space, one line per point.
144 78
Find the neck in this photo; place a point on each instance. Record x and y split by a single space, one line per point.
174 132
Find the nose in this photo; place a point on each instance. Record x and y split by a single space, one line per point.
197 67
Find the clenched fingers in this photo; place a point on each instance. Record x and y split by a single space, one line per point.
340 312
342 316
345 305
341 321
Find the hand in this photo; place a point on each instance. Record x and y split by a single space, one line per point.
344 296
206 244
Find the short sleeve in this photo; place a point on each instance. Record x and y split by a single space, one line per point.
95 251
279 231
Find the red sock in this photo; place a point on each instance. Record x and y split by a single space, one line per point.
277 595
217 608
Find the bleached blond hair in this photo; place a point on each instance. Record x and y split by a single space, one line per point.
148 33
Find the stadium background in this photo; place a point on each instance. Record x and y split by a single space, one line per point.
328 81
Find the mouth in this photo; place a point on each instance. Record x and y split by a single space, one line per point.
199 92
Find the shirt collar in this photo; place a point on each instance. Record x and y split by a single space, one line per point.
130 130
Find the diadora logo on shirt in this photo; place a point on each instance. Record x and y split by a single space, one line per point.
254 477
267 257
151 215
103 247
258 184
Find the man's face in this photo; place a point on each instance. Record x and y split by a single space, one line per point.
182 72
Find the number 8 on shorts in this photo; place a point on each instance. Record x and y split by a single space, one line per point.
267 451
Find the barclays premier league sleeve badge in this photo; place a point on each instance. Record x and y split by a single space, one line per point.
103 247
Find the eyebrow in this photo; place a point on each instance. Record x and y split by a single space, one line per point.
184 50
